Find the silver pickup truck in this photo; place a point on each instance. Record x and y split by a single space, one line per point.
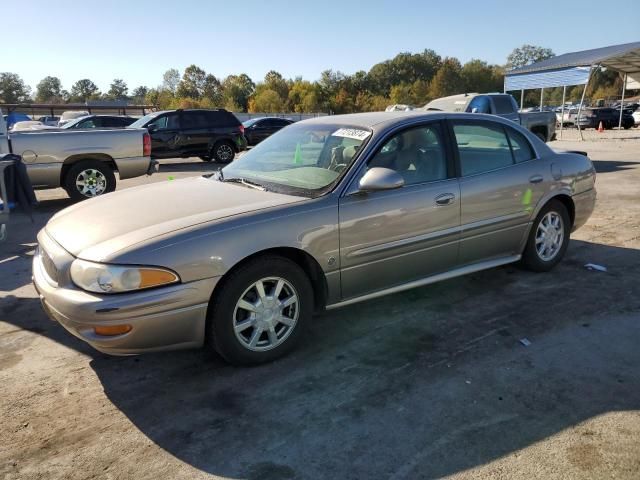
83 162
542 124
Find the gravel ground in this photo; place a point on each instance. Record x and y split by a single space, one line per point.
428 383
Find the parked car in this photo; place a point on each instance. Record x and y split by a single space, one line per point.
610 117
325 213
14 118
257 129
100 121
208 134
541 124
569 119
82 162
69 115
636 117
50 121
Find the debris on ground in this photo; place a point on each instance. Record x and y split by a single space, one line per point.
525 341
593 266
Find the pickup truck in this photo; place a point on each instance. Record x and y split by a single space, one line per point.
542 124
83 162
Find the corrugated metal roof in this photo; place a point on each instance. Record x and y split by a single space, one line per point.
624 58
547 78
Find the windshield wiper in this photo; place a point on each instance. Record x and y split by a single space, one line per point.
246 183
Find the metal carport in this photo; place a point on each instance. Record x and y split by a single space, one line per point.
575 68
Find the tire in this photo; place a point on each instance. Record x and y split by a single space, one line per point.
541 137
533 257
264 338
97 179
223 152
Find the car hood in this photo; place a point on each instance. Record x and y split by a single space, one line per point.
98 228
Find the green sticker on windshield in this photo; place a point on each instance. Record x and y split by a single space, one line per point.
297 157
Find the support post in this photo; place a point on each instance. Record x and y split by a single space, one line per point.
521 99
624 87
541 98
564 94
582 101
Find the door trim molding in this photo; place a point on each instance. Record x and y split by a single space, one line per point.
428 280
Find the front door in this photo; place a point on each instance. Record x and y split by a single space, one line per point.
392 237
165 136
501 182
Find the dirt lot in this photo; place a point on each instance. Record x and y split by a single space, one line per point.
428 383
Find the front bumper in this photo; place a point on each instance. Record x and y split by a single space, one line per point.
166 318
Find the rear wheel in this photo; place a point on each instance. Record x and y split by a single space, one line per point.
88 179
260 311
223 152
548 239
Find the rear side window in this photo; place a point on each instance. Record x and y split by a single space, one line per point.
481 147
479 104
503 104
222 119
520 146
195 120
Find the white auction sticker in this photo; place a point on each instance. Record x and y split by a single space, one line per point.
354 133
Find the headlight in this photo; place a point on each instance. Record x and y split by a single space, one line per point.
102 278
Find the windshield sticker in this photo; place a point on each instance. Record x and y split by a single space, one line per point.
354 133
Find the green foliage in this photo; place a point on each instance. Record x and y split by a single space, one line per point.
266 100
236 92
170 80
526 55
448 80
118 89
13 89
84 90
49 90
139 95
192 83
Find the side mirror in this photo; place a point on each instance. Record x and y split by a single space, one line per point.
379 178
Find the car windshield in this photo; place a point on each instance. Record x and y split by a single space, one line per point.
73 123
250 122
302 159
142 121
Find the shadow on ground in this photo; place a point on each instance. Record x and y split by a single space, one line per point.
607 166
420 384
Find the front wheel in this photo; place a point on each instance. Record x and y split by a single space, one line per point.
260 311
548 239
88 179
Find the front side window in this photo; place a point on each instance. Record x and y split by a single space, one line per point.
417 154
165 122
481 147
305 159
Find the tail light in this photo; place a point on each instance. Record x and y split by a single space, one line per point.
146 145
242 129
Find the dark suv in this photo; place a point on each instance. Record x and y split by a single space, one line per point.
208 134
610 117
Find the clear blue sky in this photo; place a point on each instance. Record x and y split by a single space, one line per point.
138 40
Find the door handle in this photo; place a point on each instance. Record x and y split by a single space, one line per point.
445 199
535 179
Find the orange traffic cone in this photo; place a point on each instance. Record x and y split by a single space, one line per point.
600 127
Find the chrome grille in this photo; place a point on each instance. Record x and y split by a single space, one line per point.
48 265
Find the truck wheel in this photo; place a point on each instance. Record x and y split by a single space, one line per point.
541 137
223 152
88 179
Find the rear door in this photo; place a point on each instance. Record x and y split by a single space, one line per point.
392 237
165 135
501 182
196 131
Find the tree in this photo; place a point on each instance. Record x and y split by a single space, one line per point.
303 97
192 83
526 55
236 92
49 90
170 80
212 90
448 80
401 94
139 94
479 76
274 81
118 89
266 100
84 90
13 88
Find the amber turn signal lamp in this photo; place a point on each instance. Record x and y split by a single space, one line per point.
152 278
111 330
